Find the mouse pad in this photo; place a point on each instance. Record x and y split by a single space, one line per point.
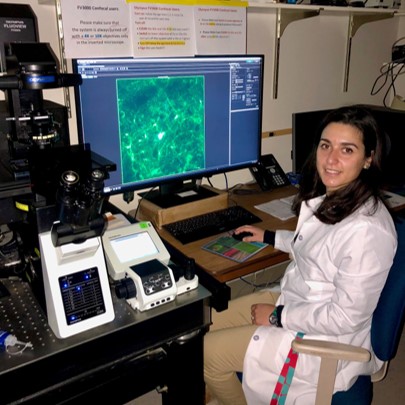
230 248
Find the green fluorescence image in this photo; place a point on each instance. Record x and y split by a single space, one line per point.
161 124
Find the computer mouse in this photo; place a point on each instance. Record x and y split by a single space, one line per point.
241 235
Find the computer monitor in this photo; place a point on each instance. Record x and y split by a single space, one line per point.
166 120
304 129
305 126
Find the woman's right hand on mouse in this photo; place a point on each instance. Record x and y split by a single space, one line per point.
257 233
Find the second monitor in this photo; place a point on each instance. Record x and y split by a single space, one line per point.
305 126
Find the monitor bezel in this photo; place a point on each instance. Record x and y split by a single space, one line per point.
188 176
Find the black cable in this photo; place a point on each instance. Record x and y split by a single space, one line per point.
374 92
140 201
226 182
263 285
392 85
388 72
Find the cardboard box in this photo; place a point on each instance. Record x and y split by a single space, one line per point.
162 216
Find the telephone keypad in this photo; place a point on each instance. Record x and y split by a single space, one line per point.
269 174
277 178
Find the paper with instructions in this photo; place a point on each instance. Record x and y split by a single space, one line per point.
134 28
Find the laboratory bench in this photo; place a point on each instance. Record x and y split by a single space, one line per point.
137 352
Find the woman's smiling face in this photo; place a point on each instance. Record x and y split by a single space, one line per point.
340 155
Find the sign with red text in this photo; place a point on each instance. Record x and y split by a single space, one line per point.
128 28
96 28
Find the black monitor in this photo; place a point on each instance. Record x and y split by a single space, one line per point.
304 129
167 120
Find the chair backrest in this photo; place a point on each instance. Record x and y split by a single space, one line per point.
386 326
389 316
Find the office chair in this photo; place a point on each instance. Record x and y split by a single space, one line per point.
386 329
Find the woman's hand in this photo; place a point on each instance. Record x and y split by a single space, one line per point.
257 233
261 313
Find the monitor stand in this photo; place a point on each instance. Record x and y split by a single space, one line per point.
174 194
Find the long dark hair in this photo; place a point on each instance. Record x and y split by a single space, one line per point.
342 202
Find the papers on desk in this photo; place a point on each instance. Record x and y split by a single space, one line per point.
280 209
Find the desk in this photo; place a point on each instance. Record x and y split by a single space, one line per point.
115 362
224 270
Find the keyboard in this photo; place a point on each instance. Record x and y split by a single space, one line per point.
210 224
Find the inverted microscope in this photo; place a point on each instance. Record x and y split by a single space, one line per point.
50 191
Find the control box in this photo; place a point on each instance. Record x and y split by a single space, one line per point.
130 245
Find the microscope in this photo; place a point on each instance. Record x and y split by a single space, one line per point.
66 190
77 291
27 126
58 185
28 122
31 68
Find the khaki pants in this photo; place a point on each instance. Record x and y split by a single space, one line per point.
225 346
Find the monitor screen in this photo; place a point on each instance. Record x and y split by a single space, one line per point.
123 246
305 126
167 120
304 130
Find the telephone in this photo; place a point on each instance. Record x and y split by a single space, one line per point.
269 174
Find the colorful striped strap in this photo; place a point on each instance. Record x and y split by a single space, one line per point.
285 379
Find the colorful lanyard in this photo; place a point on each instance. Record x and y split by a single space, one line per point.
284 380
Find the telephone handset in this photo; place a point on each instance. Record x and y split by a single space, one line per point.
269 174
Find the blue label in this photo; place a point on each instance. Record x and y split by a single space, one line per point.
3 337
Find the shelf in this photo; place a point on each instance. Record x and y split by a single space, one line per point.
356 20
285 15
289 13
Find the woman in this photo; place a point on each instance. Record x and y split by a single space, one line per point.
341 251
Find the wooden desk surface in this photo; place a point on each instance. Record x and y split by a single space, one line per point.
225 269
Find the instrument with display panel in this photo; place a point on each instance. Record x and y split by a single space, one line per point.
138 261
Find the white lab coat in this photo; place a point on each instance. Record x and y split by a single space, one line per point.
329 291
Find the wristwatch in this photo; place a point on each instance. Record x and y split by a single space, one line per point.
275 316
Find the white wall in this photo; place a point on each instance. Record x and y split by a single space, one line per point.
311 70
312 62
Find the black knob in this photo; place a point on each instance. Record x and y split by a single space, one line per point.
189 271
125 288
